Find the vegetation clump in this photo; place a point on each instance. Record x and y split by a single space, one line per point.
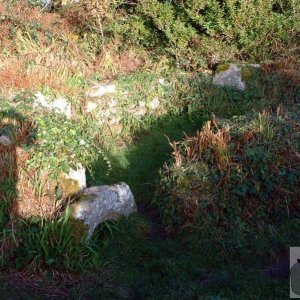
234 184
245 174
196 33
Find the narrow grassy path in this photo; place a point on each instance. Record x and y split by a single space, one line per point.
150 266
138 164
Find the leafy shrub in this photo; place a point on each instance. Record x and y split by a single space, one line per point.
195 31
243 175
54 142
61 143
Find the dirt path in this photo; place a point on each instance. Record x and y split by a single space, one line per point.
152 216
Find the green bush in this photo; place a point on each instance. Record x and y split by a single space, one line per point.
54 142
210 31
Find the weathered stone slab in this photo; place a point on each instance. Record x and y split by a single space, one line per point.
101 203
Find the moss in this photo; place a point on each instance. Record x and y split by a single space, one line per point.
68 186
222 68
79 230
247 73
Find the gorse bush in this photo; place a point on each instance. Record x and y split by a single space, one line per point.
245 26
198 32
242 175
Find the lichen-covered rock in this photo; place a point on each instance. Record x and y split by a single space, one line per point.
231 76
5 141
79 176
101 203
234 75
60 105
71 183
99 90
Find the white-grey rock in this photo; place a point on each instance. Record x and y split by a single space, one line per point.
112 103
40 100
163 82
47 5
5 141
91 106
231 77
101 203
154 104
100 90
79 176
60 105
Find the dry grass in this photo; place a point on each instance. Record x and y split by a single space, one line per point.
32 57
22 193
288 70
110 63
43 50
206 140
229 170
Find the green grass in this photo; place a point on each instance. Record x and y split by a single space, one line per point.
167 269
138 162
159 269
176 268
138 268
129 259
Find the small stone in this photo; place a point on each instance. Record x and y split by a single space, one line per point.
163 82
79 176
61 105
231 76
101 203
91 106
5 141
139 111
100 90
154 104
105 114
112 103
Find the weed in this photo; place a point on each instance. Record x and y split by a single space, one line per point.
53 244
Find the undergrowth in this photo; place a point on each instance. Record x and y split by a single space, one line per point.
235 179
228 191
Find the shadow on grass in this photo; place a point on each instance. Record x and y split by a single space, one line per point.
14 133
139 162
174 268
